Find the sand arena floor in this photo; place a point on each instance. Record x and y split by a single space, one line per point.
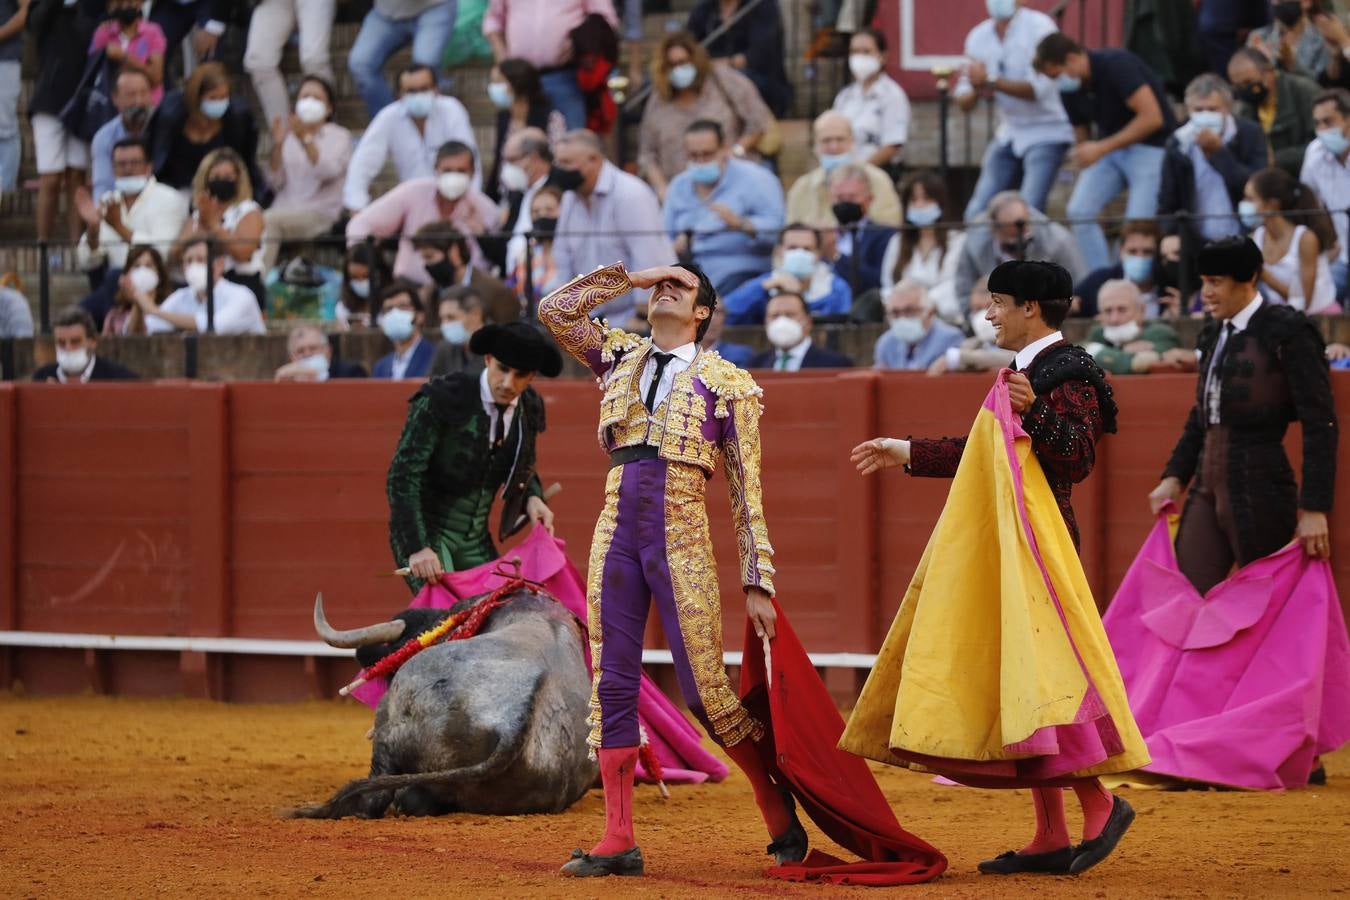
144 798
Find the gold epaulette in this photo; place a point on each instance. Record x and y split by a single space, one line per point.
727 380
618 341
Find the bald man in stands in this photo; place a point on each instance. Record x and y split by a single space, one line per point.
809 200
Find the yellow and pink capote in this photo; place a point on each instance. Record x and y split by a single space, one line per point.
996 671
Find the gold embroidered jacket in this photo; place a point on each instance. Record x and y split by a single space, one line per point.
711 414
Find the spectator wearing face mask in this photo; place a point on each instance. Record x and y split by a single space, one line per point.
444 253
460 314
130 43
311 358
270 27
77 360
809 198
1281 102
877 107
980 352
401 319
736 354
798 269
144 282
391 24
788 327
1138 265
915 337
860 242
131 96
723 212
308 165
235 307
1324 170
447 196
526 161
197 120
1011 229
139 210
13 17
1123 342
687 87
1295 235
1292 42
544 275
926 249
514 90
364 275
225 211
412 133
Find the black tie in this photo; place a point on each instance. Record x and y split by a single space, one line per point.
662 360
1222 352
499 434
1214 376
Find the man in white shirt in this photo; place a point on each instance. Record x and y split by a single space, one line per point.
1033 130
526 162
140 210
236 309
411 131
1325 170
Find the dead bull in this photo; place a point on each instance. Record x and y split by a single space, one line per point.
493 724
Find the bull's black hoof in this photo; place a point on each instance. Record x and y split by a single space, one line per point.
1054 862
790 846
584 865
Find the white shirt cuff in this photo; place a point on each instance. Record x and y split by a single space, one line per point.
953 358
212 26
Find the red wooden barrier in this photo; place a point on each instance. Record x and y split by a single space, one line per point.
220 509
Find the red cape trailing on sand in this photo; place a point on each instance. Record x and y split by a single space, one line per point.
542 559
836 789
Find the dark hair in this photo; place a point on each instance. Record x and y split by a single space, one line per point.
402 286
1253 56
524 80
369 256
468 298
1054 49
707 125
442 236
1338 96
530 146
76 315
453 148
706 296
1298 203
1047 284
206 77
936 189
192 240
800 226
1146 227
875 35
327 92
800 299
133 142
413 68
1236 257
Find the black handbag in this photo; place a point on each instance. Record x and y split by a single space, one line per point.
91 107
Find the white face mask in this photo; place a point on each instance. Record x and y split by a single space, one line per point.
863 65
144 279
452 185
982 327
785 332
908 329
317 363
311 110
73 362
1121 334
513 177
195 273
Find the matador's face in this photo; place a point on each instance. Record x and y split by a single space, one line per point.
673 303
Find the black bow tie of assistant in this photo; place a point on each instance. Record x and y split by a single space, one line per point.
499 433
662 360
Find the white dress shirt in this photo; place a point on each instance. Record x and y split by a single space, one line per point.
490 407
682 359
795 357
1028 353
1329 177
1213 383
515 247
402 360
155 217
392 133
1024 123
236 310
880 114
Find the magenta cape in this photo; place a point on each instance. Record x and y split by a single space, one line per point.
836 789
1241 687
542 559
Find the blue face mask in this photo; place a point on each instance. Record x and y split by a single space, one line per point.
1001 9
454 332
1137 268
704 173
418 105
1067 84
683 75
1208 120
799 262
499 92
1334 140
923 216
1248 215
831 161
397 325
214 109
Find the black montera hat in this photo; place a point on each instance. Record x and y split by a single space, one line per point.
520 346
1237 257
1031 279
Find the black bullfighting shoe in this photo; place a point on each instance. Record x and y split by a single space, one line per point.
584 865
1091 852
790 846
1053 862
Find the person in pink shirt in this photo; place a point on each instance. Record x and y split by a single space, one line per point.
133 43
447 196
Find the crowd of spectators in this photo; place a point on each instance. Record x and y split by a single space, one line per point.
179 187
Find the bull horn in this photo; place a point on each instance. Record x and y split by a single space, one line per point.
356 637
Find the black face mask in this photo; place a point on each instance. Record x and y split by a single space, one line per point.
128 14
847 213
223 189
545 226
1288 12
135 118
443 273
565 179
1255 94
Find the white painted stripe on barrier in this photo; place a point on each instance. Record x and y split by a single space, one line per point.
266 647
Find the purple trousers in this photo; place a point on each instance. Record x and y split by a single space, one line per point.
652 544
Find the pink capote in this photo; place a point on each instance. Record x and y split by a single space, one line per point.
543 559
1241 687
